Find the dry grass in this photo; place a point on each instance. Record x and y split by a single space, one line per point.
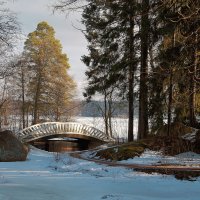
122 152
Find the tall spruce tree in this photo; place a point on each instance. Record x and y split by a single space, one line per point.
103 55
112 60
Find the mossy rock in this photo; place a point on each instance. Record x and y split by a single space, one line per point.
172 145
122 152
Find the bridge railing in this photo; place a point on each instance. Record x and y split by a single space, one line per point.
53 128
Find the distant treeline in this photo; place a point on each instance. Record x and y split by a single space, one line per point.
97 108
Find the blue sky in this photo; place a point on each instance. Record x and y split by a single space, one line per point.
31 12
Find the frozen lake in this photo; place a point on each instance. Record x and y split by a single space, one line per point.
119 125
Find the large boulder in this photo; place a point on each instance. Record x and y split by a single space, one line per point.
11 149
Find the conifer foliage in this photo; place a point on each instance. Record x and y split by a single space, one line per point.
112 60
50 88
148 50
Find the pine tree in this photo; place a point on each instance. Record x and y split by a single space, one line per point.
177 27
50 87
112 60
169 57
103 56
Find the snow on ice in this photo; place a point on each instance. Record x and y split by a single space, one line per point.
60 177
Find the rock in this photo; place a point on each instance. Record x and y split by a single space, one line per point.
11 149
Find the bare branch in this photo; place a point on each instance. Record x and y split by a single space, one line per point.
68 6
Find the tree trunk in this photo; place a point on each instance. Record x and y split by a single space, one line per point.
23 98
131 80
35 111
110 115
105 113
57 114
130 108
192 88
27 116
143 93
169 113
192 117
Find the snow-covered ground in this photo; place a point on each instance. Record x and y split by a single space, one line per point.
47 176
149 157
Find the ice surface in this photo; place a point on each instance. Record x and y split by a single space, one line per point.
119 125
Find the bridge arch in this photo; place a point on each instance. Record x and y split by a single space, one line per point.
46 129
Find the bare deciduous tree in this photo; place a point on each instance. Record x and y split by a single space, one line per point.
9 32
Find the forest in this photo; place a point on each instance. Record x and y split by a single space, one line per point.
143 52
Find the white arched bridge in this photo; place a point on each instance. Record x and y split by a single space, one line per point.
71 129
